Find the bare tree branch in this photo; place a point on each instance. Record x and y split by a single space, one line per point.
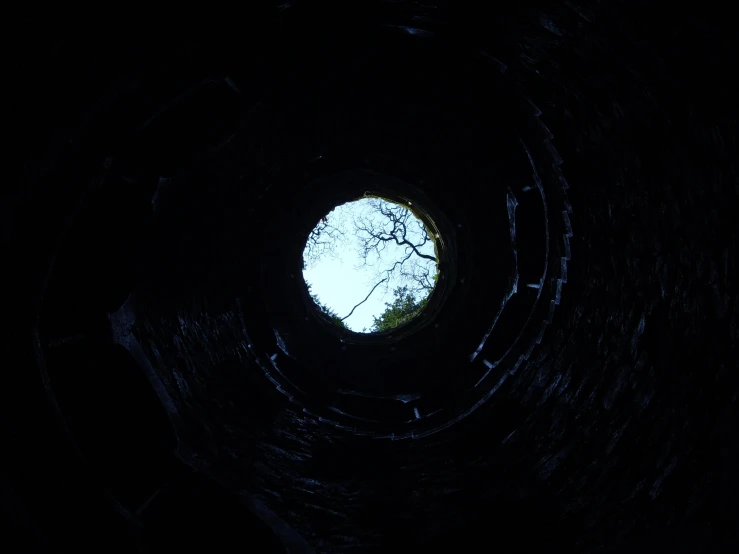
363 301
324 239
391 242
376 233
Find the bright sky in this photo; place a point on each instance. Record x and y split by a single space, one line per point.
340 283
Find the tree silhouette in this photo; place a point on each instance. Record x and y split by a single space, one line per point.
331 314
390 240
324 240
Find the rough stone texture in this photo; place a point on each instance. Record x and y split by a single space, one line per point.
617 432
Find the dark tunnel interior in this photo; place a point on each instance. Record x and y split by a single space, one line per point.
572 386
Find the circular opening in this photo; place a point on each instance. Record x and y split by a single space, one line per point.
371 264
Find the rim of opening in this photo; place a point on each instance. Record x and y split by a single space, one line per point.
423 210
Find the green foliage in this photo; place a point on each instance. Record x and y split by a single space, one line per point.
401 310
